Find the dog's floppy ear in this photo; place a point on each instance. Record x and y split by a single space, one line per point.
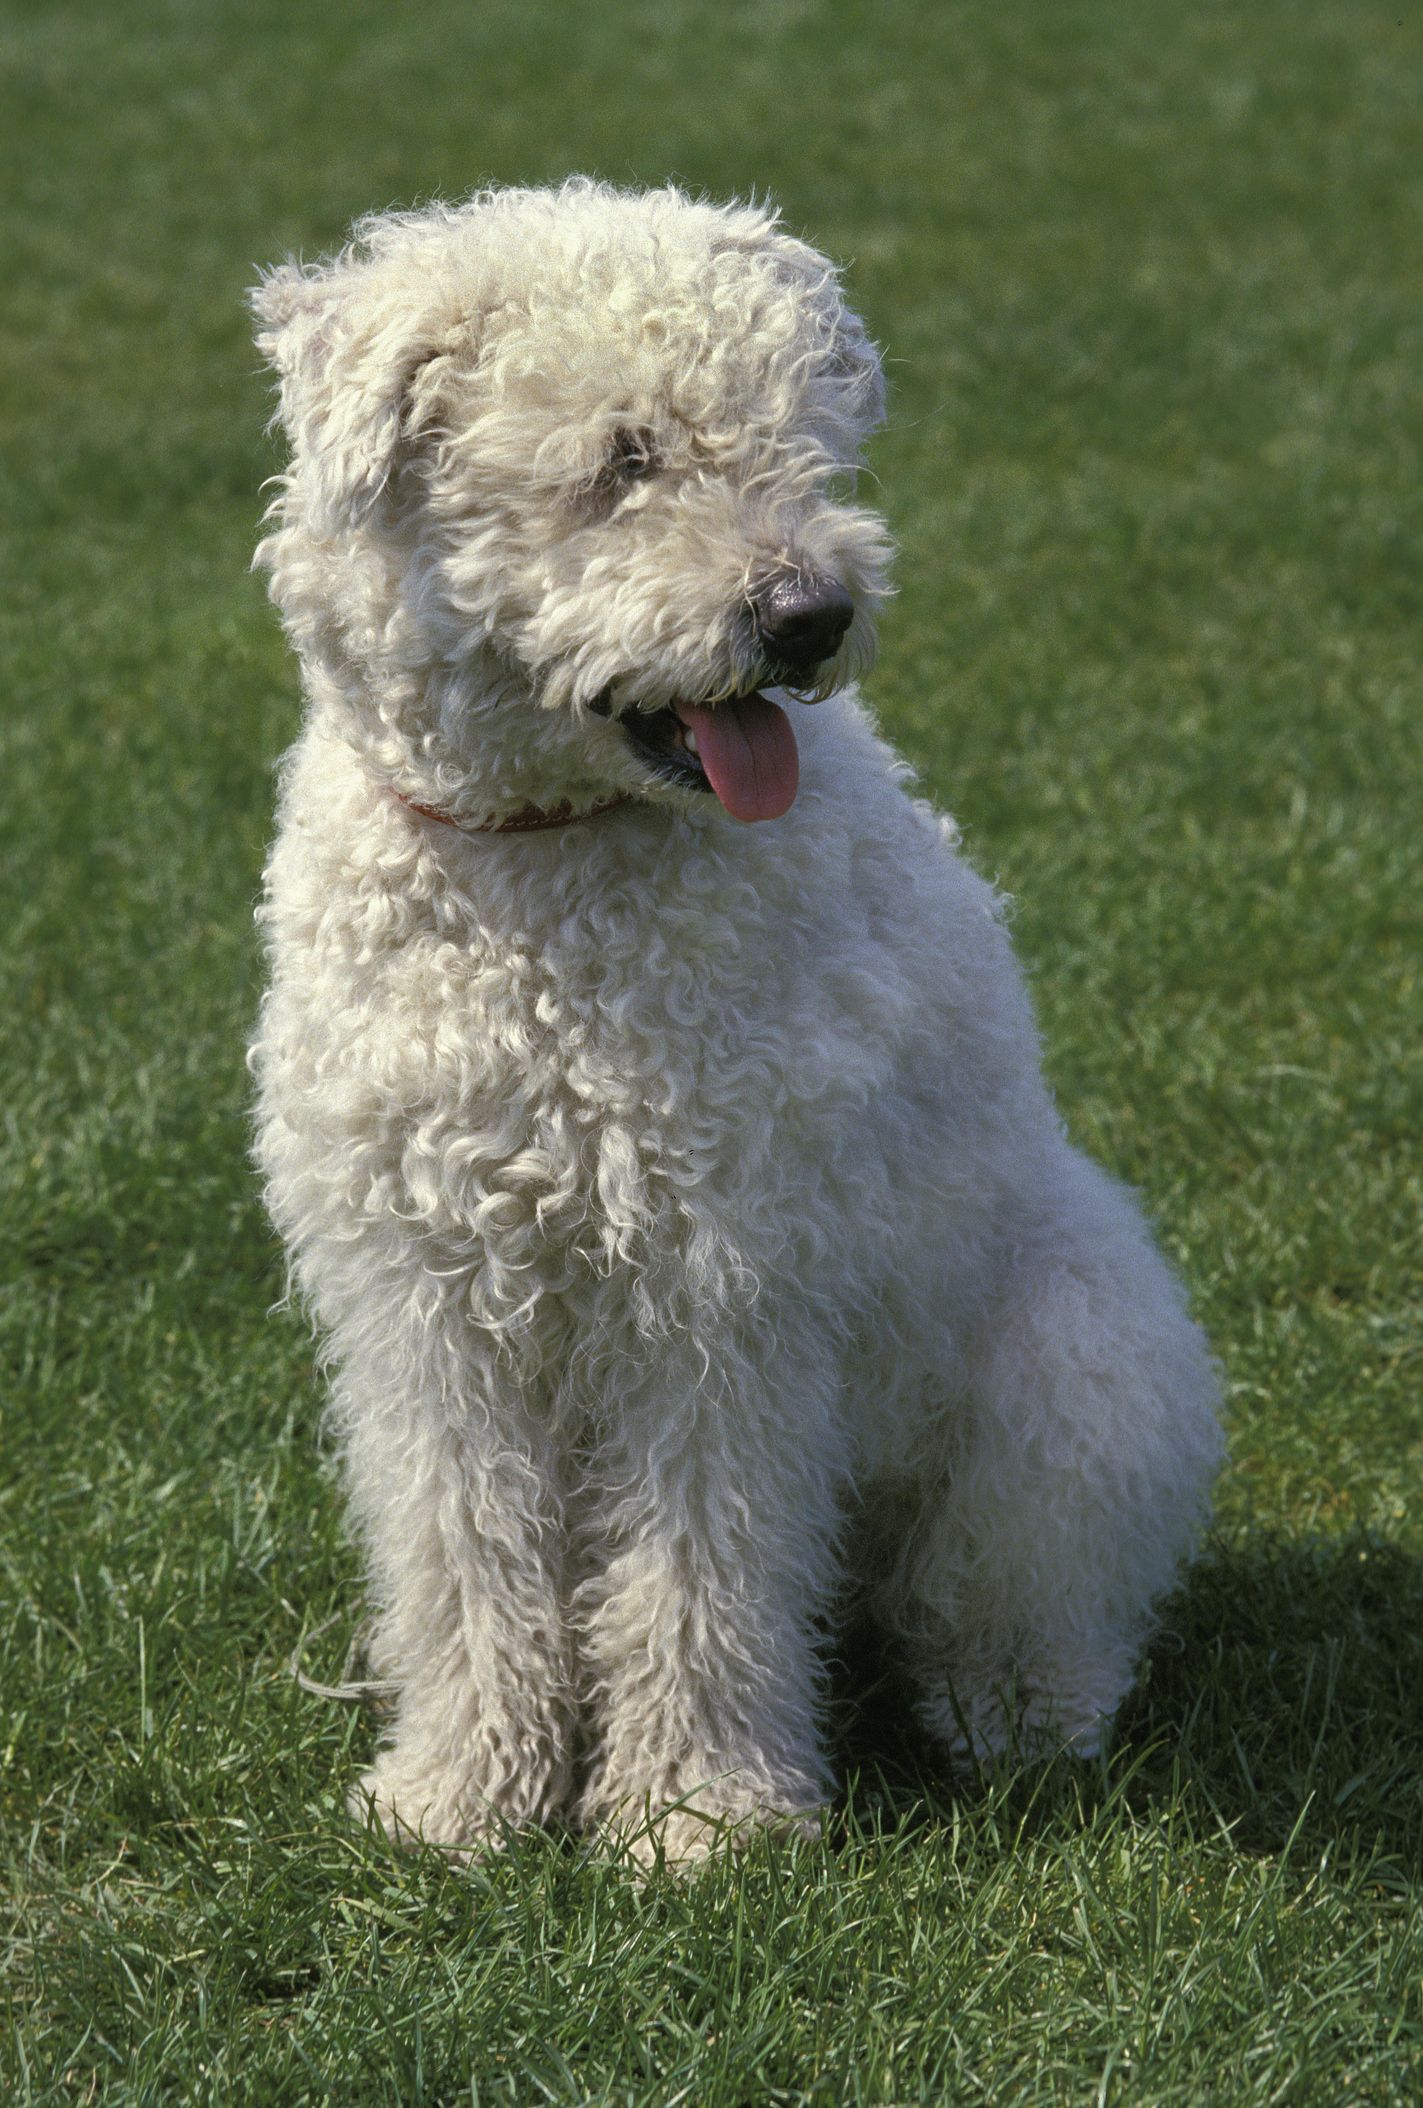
345 357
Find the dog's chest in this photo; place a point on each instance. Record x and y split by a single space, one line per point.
639 1074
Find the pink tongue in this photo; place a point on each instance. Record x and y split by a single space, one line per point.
748 750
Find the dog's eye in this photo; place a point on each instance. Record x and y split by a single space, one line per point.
631 455
630 458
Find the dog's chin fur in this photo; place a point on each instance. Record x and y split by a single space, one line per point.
670 1193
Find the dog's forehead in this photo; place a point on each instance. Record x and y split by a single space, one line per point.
627 309
641 293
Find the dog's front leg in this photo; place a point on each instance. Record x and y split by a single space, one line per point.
708 1556
458 1509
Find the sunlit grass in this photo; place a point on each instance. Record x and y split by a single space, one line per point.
1147 279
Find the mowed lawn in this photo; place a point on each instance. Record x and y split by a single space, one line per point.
1150 280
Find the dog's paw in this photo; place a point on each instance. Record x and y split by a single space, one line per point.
1026 1727
431 1810
451 1811
683 1840
681 1828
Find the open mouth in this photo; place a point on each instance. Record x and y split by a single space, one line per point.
741 749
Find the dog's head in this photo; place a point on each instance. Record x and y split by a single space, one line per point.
584 450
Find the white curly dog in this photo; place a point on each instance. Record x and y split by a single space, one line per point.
690 1225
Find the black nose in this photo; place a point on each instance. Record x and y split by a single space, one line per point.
801 619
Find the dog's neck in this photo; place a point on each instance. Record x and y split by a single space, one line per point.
529 819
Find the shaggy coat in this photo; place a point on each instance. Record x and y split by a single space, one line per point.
680 1200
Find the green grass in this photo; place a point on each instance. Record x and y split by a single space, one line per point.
1148 278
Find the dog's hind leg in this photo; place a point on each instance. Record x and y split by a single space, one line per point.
716 1519
458 1508
1072 1485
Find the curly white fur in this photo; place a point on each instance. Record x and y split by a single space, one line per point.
681 1201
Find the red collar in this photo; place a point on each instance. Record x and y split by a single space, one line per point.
529 819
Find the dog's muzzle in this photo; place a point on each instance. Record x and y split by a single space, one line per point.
741 747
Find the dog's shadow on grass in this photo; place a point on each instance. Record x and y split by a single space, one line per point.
1282 1701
